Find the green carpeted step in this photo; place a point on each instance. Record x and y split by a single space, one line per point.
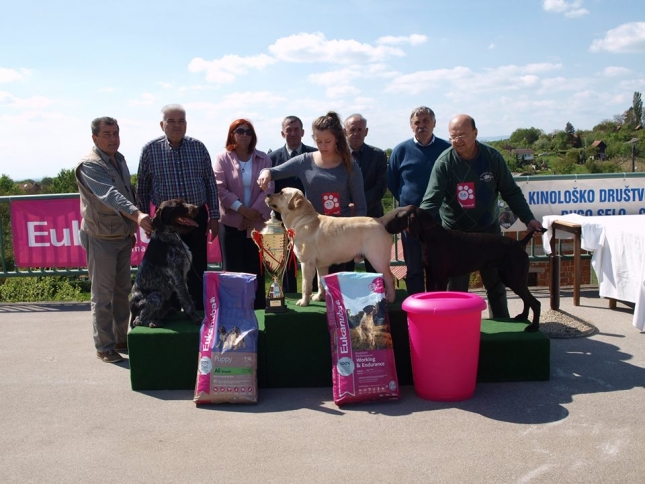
294 350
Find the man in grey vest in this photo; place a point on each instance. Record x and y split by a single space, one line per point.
110 220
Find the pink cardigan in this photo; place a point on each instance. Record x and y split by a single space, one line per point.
228 176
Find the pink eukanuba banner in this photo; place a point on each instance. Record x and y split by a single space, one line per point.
46 234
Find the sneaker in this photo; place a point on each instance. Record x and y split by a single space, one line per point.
121 347
109 356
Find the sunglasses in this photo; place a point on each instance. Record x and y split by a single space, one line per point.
247 131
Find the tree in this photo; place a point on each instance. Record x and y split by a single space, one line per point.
637 105
525 136
65 182
631 120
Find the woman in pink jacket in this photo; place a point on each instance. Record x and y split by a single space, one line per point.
241 202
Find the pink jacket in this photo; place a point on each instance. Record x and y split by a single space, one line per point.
228 176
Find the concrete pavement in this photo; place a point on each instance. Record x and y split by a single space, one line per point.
66 417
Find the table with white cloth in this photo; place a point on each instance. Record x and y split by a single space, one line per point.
618 246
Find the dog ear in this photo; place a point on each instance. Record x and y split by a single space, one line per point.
158 219
295 201
396 221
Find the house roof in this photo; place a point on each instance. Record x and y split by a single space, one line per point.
597 143
523 151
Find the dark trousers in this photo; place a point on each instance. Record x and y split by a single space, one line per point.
240 254
369 267
415 277
290 281
196 242
495 290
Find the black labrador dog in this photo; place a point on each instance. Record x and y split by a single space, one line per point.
451 253
164 267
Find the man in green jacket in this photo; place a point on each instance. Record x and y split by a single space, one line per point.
464 188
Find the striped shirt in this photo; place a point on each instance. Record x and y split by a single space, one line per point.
166 173
100 183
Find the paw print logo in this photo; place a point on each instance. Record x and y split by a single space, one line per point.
464 193
377 285
330 202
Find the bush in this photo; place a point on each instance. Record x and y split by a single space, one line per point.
41 289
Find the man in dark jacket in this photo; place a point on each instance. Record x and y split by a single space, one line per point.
292 132
373 163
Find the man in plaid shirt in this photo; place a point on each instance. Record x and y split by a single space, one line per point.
178 166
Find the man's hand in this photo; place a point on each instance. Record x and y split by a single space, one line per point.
536 226
213 228
145 222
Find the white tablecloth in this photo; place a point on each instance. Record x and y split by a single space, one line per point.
618 246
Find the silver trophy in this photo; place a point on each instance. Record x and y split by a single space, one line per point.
274 244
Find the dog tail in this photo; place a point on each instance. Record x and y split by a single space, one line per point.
529 236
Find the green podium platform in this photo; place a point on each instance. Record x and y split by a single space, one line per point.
294 350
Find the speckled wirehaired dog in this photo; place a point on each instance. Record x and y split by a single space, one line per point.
164 267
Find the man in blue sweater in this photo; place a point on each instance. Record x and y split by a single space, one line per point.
408 174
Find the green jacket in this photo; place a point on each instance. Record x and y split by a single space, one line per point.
465 193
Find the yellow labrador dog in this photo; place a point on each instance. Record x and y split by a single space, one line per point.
321 241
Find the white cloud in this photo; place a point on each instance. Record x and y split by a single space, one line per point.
229 67
462 80
571 9
316 48
491 46
340 76
614 71
165 85
10 75
629 37
414 39
341 91
107 89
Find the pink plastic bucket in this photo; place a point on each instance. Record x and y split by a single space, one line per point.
445 330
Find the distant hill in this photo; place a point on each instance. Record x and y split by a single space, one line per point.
493 138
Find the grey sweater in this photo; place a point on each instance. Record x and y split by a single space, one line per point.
326 187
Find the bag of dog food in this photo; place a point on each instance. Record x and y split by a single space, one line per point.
363 366
228 341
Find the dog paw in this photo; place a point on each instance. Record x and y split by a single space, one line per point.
318 297
302 302
135 322
531 328
155 324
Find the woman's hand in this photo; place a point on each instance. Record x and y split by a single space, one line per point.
250 213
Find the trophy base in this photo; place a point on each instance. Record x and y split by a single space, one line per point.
276 305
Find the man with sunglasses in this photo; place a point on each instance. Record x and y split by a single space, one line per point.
408 173
464 189
292 132
178 166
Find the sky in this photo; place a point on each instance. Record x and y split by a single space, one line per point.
508 63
